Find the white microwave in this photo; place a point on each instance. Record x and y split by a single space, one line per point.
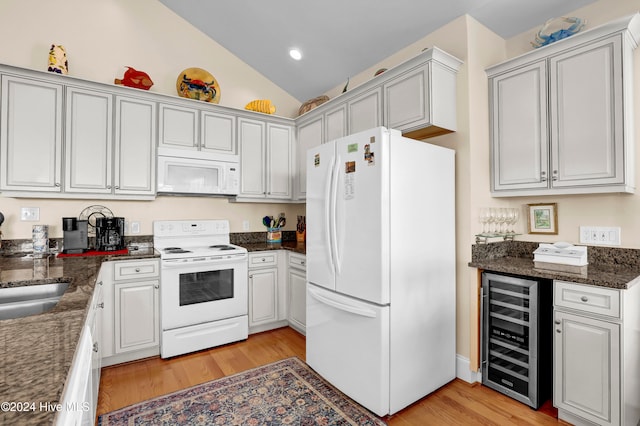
197 173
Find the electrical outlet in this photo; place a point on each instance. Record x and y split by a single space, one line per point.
245 225
600 235
135 227
31 214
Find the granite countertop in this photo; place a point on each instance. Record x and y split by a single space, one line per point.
36 352
285 245
617 268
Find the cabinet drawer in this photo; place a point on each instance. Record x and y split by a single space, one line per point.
136 269
297 261
587 298
258 260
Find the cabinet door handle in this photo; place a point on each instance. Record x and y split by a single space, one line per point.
557 321
99 282
584 298
555 175
543 176
302 263
137 269
250 276
156 286
558 330
101 305
95 347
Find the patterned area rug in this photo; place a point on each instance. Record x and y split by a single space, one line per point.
286 392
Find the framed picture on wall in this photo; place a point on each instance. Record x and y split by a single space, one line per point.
543 218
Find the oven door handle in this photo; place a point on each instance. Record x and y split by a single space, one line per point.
171 264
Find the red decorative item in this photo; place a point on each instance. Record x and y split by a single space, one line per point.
135 78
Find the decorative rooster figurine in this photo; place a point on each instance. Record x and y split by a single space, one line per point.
135 78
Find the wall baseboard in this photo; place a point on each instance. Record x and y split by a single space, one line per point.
463 371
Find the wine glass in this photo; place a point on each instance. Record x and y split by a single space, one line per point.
484 217
515 213
493 218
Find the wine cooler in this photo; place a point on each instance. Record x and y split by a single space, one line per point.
517 337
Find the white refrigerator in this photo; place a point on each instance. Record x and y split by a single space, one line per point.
381 267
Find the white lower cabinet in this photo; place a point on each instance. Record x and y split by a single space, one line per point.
267 291
297 292
131 328
595 367
79 400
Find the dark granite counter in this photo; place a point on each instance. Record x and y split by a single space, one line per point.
617 268
36 352
257 241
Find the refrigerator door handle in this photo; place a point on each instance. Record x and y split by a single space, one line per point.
363 312
334 206
328 207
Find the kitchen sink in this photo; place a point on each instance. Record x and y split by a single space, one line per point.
18 302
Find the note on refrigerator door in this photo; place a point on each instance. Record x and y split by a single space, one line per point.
349 180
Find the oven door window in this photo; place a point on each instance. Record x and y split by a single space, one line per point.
208 286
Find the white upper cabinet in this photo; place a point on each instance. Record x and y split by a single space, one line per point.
265 160
67 138
279 161
335 122
365 111
561 115
417 97
135 147
310 134
30 135
218 132
88 141
519 128
251 141
201 128
586 108
179 127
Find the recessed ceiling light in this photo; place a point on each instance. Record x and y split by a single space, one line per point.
295 54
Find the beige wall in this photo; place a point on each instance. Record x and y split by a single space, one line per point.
103 36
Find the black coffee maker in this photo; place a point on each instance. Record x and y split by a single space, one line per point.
110 233
74 233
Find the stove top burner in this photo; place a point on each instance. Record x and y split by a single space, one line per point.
176 250
222 247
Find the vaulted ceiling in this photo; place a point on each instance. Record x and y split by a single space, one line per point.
341 38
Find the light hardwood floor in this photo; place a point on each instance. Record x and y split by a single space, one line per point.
457 403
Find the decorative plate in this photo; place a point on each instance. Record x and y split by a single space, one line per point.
199 84
91 213
558 31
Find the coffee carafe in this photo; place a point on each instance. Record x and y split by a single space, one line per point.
74 233
110 233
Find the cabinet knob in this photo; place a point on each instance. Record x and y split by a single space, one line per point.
101 305
156 286
555 175
584 298
117 187
137 269
543 176
558 330
95 347
57 184
108 186
557 321
99 282
302 263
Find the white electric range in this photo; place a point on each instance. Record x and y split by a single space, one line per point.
204 290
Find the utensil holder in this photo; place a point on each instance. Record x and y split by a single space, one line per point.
274 235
